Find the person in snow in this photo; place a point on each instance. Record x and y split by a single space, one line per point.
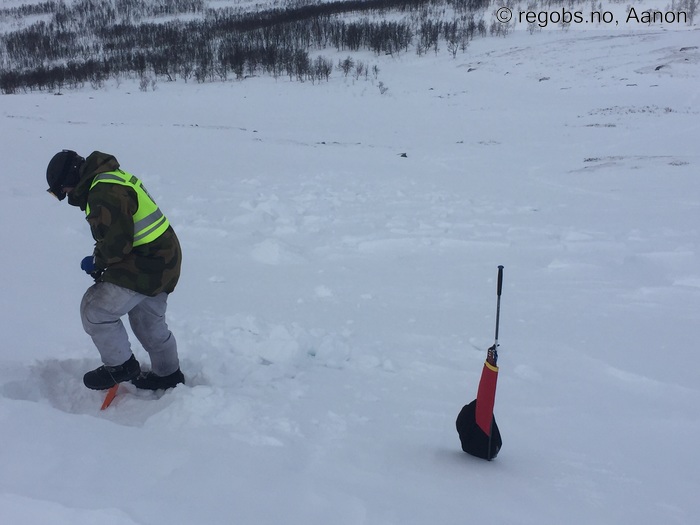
135 265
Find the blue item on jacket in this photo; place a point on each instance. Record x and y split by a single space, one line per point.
88 264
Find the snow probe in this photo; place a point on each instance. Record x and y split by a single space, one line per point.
476 424
111 394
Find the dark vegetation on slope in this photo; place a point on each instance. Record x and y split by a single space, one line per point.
90 41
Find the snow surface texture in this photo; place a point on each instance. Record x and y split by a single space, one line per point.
338 298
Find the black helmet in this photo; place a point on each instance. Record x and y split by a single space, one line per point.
62 172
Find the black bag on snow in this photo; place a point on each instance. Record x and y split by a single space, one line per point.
474 440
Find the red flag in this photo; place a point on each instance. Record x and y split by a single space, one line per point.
476 425
486 397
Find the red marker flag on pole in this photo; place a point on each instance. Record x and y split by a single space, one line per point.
476 424
486 397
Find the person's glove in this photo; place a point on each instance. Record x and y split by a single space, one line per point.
88 266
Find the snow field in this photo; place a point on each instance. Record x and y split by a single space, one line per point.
337 297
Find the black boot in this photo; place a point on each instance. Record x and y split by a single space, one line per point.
106 377
150 381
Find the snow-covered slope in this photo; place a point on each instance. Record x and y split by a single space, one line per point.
337 296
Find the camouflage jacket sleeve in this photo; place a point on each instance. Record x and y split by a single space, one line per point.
112 208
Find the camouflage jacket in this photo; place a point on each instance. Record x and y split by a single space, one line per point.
148 269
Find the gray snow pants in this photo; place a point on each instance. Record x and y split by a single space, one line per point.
101 310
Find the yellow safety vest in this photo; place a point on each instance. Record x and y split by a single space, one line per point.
149 221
